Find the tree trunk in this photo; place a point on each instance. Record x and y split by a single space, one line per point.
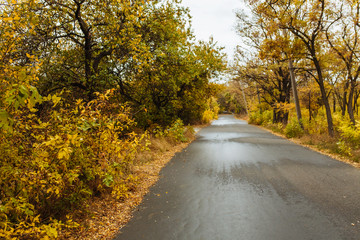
327 109
245 102
324 97
344 103
258 95
309 106
355 106
350 102
295 93
274 115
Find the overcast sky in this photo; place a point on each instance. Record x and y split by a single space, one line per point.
215 18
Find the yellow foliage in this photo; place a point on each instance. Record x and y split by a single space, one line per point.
55 155
207 116
53 164
211 112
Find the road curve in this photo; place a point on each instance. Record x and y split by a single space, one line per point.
237 181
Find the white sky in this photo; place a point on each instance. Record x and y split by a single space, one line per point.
215 18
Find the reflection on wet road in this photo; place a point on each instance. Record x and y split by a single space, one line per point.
237 181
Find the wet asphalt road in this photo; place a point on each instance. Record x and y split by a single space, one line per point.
237 181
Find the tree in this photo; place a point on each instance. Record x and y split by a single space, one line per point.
272 81
175 81
18 68
272 75
145 50
79 45
232 98
343 37
307 20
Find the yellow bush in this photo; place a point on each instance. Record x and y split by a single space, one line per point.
293 129
207 116
49 166
349 132
260 118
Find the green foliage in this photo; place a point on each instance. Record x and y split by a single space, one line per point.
177 131
293 129
145 50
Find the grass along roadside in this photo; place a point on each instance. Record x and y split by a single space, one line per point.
106 215
321 143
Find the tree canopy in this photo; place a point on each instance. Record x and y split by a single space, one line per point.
85 86
319 39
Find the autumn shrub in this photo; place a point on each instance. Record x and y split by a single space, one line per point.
260 118
293 129
317 125
349 132
50 166
276 127
175 133
178 132
254 118
207 116
343 148
211 112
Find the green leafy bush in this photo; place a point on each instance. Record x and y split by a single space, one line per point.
177 131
